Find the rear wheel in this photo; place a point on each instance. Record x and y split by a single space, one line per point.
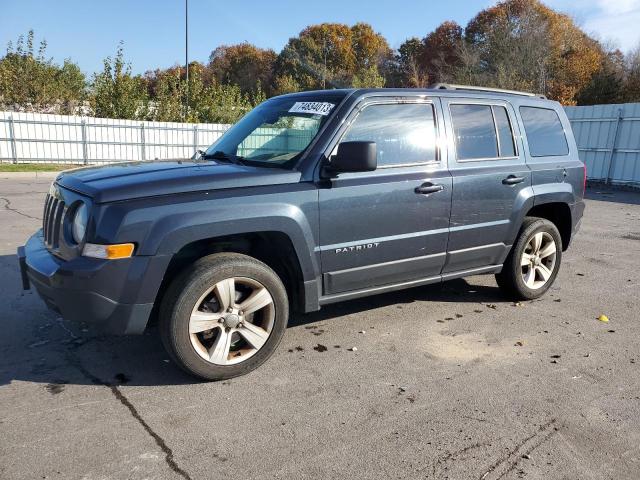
224 316
533 263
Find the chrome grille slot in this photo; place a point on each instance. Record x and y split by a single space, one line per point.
54 210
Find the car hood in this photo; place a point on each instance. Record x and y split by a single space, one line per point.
123 181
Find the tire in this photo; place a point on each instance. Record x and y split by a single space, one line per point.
201 316
523 273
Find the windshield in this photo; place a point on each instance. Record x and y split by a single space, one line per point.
275 133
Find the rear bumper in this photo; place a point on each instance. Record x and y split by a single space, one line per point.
577 211
106 296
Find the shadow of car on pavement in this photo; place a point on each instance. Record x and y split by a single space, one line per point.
38 346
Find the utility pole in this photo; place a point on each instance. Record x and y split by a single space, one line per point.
324 71
186 54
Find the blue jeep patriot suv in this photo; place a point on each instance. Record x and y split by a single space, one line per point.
312 198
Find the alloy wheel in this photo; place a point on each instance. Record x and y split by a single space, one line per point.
232 321
538 260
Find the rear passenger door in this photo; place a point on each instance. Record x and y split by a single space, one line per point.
489 174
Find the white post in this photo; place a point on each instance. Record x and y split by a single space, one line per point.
12 140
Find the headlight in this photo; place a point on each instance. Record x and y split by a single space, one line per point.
79 225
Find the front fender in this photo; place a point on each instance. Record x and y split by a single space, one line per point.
293 214
177 231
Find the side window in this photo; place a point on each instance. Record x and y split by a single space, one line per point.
482 132
505 132
545 134
403 132
475 132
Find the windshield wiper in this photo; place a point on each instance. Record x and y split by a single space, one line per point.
220 155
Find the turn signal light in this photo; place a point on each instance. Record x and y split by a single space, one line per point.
109 252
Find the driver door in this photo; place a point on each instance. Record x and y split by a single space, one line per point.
381 228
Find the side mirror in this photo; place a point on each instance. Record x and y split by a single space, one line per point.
354 157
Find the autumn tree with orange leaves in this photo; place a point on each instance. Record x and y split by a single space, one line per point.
244 65
524 45
331 55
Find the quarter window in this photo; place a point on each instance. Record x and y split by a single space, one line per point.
505 133
403 132
545 134
482 132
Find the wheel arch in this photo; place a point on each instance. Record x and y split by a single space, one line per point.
557 213
273 248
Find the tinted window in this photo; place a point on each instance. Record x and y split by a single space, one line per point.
505 134
475 132
545 134
404 133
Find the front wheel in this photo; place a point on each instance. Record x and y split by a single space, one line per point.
223 316
533 263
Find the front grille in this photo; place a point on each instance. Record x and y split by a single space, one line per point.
54 213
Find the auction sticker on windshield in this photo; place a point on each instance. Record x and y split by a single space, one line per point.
317 108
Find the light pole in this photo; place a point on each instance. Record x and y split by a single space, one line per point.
186 54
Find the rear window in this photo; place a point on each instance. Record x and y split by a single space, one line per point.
545 134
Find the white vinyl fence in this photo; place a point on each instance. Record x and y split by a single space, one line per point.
608 138
34 137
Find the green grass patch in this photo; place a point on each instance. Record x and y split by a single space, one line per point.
35 167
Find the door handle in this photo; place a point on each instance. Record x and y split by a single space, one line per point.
427 188
512 180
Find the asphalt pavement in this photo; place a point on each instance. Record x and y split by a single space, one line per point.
450 381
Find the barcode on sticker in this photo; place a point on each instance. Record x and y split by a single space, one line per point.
318 108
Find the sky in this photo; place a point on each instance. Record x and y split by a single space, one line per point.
153 31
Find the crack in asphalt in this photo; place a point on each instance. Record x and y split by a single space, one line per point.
7 206
168 453
544 433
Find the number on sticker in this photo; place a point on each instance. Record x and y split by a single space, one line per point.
317 108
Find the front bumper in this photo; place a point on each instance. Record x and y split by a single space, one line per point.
106 296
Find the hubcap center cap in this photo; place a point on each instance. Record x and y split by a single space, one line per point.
536 261
232 320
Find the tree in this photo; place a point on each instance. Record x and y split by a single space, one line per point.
285 84
168 96
411 69
368 78
441 52
244 65
435 58
607 84
333 55
116 93
631 90
30 81
373 56
522 44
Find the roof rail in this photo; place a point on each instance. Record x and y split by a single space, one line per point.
450 86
